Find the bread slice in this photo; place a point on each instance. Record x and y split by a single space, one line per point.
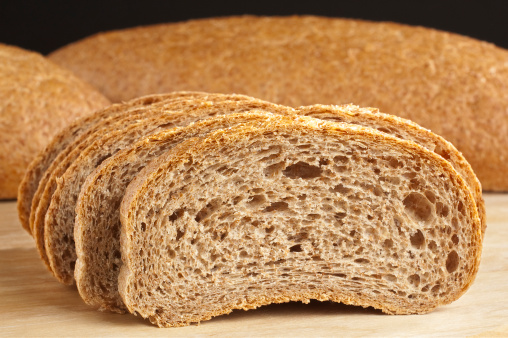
434 78
56 207
97 224
293 209
59 146
37 99
112 118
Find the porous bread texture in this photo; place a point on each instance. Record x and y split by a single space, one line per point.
431 77
97 225
114 117
293 209
407 130
97 222
37 99
37 168
57 210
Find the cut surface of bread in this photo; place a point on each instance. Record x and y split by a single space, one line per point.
56 210
96 232
37 99
291 209
433 78
58 146
112 118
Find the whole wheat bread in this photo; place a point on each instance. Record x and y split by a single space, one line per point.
111 118
97 224
454 85
56 210
37 99
59 147
293 209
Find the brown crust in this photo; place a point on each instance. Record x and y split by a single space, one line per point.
433 78
186 152
37 99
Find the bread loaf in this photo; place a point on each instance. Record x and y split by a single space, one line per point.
37 99
454 85
293 208
97 224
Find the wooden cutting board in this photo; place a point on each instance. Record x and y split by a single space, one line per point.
33 303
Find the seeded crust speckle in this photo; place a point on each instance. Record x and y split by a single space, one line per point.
97 225
295 208
37 99
454 85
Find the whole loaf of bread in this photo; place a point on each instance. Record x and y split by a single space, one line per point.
454 85
37 99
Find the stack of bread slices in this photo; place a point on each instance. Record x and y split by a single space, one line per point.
184 206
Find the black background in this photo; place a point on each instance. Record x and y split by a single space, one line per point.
43 25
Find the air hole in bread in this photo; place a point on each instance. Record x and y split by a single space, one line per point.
340 159
362 261
442 209
341 189
270 229
302 170
179 234
430 196
414 280
276 206
296 248
443 153
455 239
274 169
394 163
460 208
209 209
418 207
417 240
256 201
176 215
452 262
388 243
390 277
433 246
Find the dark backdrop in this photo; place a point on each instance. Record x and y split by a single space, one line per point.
44 25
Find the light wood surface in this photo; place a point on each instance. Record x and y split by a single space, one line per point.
33 303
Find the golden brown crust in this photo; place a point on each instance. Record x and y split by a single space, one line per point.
37 99
191 151
433 78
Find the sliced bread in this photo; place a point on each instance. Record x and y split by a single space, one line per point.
59 147
454 85
112 118
37 99
56 210
97 224
291 209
